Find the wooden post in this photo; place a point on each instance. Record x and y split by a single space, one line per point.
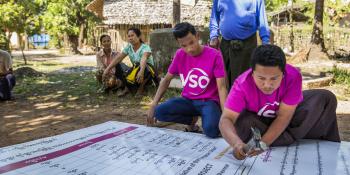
176 12
291 39
317 32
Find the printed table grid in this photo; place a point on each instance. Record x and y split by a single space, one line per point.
152 151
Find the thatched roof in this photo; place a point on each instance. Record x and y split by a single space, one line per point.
152 12
283 15
286 9
96 7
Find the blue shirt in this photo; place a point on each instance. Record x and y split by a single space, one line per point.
239 19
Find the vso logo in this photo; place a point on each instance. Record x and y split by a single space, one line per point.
269 110
196 81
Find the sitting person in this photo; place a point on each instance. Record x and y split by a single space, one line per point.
7 79
269 97
104 58
202 73
140 56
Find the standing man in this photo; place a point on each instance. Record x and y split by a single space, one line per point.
7 79
269 97
237 22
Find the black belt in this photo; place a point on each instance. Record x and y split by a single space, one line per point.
239 44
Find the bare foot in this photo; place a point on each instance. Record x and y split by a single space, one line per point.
118 83
139 93
193 128
123 92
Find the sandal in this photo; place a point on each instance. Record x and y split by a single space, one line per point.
194 129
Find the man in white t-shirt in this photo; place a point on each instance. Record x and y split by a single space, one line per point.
7 79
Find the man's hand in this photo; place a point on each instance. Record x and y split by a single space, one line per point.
140 77
238 151
150 116
105 72
6 73
254 152
214 43
240 154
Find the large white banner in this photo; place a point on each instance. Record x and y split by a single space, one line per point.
122 148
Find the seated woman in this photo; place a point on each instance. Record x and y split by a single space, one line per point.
140 56
104 58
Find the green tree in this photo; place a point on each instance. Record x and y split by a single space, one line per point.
20 16
334 11
273 5
69 17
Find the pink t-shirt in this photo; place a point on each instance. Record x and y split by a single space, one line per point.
245 95
198 74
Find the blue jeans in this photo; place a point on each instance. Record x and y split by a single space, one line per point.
6 85
182 110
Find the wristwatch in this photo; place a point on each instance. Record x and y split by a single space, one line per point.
263 145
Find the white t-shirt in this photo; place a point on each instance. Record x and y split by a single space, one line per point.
5 62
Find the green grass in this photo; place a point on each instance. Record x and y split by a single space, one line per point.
63 87
46 66
78 89
73 89
342 80
341 76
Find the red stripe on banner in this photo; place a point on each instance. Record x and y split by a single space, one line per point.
42 158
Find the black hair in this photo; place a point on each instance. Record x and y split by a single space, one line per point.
183 29
268 55
136 31
102 36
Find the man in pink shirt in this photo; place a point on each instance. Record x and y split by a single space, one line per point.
202 73
269 97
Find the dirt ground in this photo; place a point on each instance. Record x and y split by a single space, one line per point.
53 105
24 120
32 117
37 115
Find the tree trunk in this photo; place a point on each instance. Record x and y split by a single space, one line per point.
85 34
176 12
317 32
26 42
318 49
81 35
8 41
21 46
59 39
291 41
24 57
73 40
19 40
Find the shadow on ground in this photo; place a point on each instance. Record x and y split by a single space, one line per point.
57 103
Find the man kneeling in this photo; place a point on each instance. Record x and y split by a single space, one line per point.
203 78
269 97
